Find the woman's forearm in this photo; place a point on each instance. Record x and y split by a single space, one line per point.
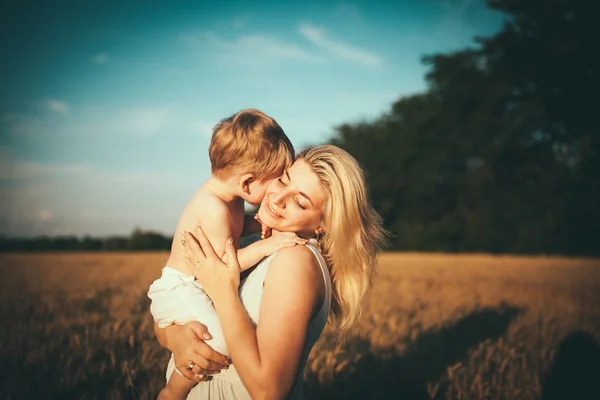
161 336
241 339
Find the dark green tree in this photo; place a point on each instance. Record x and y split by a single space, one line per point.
501 153
147 240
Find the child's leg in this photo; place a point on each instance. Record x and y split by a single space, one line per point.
178 387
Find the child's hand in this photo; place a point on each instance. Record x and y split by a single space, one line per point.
265 230
280 241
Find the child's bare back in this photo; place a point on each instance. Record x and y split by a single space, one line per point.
218 218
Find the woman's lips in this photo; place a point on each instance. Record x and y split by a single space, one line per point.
271 211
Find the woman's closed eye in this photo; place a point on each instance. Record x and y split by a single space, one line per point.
281 181
300 205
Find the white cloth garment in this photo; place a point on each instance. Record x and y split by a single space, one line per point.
178 298
227 384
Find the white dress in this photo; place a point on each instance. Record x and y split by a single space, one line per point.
227 384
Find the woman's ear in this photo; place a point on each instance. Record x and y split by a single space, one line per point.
245 181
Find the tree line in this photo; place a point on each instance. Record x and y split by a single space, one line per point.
138 240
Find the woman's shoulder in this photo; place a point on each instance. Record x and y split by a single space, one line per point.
296 262
297 271
296 255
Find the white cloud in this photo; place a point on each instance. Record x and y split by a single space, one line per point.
57 199
45 215
58 106
347 11
142 122
18 169
30 199
238 22
459 8
101 203
13 168
54 197
40 209
22 124
100 58
336 48
106 179
456 27
254 49
203 129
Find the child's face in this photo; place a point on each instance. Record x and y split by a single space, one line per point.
257 191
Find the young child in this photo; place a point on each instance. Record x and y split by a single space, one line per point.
247 151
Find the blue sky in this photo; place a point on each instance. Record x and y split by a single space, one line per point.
106 111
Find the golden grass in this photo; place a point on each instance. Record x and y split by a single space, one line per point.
434 326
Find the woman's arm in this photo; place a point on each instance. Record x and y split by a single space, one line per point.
186 342
267 358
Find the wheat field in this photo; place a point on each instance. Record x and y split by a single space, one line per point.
434 326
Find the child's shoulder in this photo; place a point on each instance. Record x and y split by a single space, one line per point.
207 203
207 200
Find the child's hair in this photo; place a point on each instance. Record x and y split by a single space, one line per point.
352 230
249 142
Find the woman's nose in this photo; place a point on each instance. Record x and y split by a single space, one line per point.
278 199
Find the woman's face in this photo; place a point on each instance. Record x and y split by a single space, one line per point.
293 202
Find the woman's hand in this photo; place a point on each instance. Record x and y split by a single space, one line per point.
216 276
189 350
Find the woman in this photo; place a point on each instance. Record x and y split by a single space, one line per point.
321 196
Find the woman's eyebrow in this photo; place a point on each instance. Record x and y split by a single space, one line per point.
307 198
302 193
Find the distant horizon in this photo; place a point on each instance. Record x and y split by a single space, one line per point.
84 235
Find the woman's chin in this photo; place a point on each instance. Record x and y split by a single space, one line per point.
267 219
264 216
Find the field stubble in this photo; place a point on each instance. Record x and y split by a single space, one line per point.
434 326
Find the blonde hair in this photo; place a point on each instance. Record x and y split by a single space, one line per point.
249 142
352 231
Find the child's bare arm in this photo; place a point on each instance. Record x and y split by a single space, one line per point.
252 254
177 387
